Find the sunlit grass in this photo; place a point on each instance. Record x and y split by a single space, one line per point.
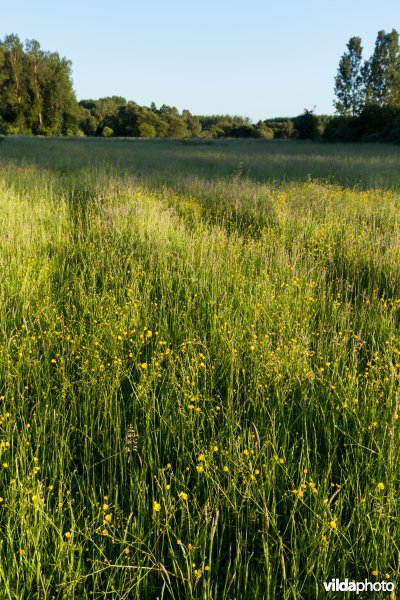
198 376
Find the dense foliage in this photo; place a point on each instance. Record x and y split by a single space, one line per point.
36 96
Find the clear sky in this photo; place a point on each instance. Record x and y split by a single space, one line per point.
256 58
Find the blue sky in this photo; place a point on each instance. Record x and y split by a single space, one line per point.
256 58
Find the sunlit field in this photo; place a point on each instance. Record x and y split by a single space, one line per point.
199 368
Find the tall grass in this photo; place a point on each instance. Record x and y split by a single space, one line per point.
199 373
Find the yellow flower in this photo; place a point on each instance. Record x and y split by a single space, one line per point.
246 452
68 535
1 499
183 495
105 506
332 524
156 506
215 449
206 568
200 457
5 465
126 551
167 487
199 468
374 573
226 469
179 542
381 486
104 532
108 518
34 498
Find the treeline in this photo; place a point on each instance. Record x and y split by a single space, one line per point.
37 97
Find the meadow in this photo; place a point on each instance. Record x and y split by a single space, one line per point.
199 368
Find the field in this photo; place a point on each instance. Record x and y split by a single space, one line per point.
199 368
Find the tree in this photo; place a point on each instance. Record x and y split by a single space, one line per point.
308 125
349 89
35 61
381 72
13 90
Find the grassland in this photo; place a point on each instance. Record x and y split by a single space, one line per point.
199 368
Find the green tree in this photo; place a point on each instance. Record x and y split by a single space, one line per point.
35 66
349 89
13 90
381 72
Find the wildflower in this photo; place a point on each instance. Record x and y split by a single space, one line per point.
156 506
126 551
104 532
206 568
167 487
179 542
226 469
246 452
332 524
183 495
374 573
34 498
108 518
105 506
68 535
323 538
1 499
200 457
215 449
200 469
381 486
5 465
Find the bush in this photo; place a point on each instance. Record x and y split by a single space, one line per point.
147 131
264 132
107 132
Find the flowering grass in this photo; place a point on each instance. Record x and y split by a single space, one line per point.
199 370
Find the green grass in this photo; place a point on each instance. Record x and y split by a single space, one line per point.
199 368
